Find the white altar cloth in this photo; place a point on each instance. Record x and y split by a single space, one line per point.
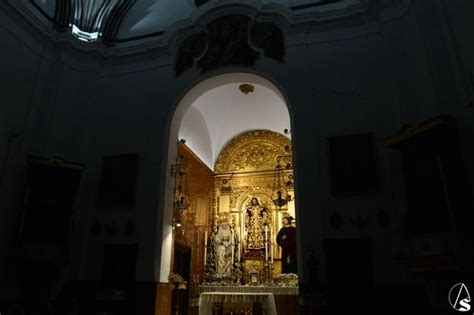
206 299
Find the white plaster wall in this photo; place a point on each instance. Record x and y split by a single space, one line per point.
459 25
22 67
196 133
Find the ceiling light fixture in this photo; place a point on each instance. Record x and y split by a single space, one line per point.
246 88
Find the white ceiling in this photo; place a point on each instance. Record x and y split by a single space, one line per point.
152 16
225 112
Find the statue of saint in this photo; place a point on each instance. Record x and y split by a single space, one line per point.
223 250
255 222
286 239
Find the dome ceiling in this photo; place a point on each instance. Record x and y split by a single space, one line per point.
145 18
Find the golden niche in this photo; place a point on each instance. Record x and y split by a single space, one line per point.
244 182
252 151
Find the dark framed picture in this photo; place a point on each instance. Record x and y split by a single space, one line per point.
353 165
254 278
50 207
118 181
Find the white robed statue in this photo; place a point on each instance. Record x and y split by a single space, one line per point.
223 256
224 250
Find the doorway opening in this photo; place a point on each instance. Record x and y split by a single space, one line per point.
231 196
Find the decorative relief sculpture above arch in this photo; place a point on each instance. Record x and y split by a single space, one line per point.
255 150
271 22
230 40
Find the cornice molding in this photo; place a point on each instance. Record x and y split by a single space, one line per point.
165 44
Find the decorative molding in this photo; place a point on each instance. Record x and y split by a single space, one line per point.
113 23
234 39
165 42
89 19
252 151
414 128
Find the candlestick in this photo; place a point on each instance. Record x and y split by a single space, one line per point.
238 252
271 245
205 247
232 245
266 243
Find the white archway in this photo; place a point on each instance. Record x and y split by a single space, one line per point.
181 108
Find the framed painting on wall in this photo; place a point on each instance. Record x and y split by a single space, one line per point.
118 181
353 165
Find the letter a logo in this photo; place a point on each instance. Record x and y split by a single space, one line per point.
459 298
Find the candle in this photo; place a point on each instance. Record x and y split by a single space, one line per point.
238 252
266 243
205 247
232 244
271 245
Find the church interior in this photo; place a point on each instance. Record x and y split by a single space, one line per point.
236 157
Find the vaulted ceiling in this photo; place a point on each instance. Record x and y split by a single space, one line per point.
223 113
153 17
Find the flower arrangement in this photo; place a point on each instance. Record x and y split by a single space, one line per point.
288 280
176 279
288 276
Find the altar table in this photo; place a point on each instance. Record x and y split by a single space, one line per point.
207 300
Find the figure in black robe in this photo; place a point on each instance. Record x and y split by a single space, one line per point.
286 239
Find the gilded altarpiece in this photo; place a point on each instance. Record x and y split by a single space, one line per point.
245 170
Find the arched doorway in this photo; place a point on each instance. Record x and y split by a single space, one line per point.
211 117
